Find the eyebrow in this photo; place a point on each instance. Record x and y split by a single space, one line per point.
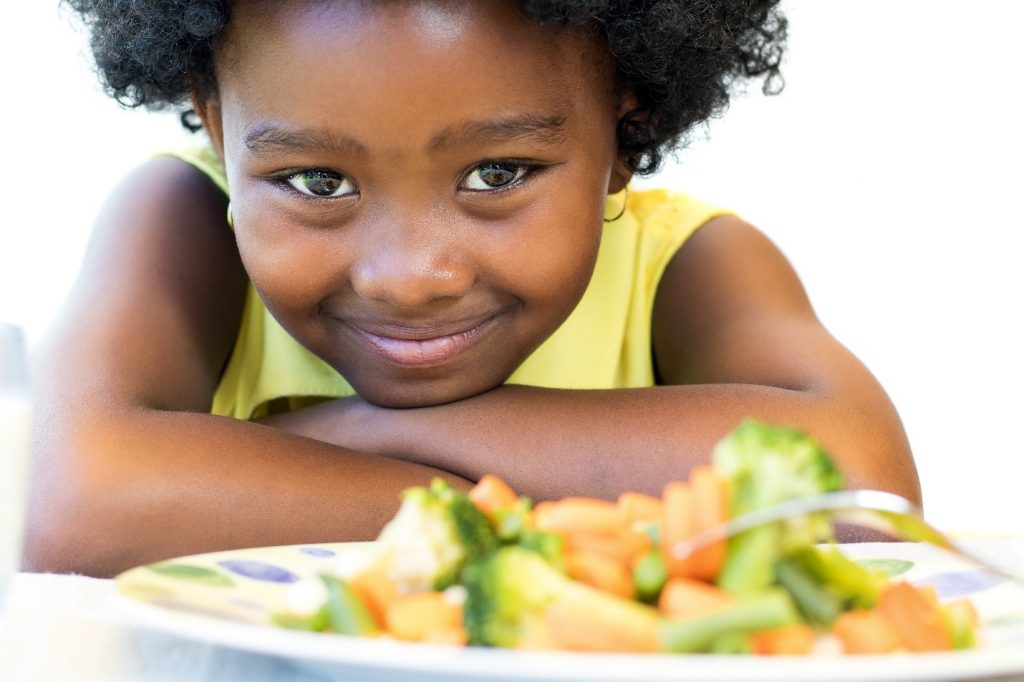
268 139
547 130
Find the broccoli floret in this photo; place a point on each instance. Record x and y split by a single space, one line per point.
512 594
507 595
436 531
765 465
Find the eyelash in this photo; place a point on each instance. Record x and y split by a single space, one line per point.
529 171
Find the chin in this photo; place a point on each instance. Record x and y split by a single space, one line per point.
412 396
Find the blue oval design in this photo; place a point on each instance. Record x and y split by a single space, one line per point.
258 570
318 552
960 583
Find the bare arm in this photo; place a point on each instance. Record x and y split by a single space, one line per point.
129 466
734 337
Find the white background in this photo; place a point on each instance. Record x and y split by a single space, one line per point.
889 171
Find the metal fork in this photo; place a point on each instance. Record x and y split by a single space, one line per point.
886 512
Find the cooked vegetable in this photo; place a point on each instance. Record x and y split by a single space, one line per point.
916 619
436 531
346 613
765 465
584 574
649 575
515 593
816 599
790 640
865 632
677 525
683 598
580 515
425 616
639 508
491 494
600 571
858 586
768 609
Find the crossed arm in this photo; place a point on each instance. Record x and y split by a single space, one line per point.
130 467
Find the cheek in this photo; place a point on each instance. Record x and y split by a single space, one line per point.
290 272
554 258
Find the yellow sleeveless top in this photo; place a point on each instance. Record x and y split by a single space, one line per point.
604 343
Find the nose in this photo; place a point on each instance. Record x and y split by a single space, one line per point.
411 263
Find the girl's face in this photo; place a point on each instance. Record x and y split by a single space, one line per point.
417 187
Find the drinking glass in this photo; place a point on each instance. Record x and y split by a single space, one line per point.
14 450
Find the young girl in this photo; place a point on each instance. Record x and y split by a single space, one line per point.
410 250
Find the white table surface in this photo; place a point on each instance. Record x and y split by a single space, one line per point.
69 627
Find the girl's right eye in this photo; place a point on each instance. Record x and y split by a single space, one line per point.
324 184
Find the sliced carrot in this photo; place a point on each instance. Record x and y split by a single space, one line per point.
710 508
579 515
582 622
491 494
865 632
639 508
415 616
600 571
376 589
791 640
683 598
677 525
916 619
625 547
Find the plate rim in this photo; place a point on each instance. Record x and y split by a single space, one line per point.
411 659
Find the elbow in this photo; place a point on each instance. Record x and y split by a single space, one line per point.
72 521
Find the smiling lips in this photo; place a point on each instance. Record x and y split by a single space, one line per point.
421 347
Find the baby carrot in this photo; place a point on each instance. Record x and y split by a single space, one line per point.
865 632
677 524
600 571
579 515
639 508
710 508
915 617
491 494
625 547
687 598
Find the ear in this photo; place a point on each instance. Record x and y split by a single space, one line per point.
208 110
621 173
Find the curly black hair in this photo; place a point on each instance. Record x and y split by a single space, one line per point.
683 59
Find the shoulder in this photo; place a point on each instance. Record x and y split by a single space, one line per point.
723 294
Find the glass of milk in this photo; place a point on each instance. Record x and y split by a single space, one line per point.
14 450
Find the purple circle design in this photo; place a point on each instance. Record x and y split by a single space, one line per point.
318 552
960 583
259 570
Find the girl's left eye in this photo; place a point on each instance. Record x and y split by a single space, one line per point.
321 183
495 175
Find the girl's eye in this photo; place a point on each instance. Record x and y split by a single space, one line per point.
494 175
321 183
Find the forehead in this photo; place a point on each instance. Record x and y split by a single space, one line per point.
337 59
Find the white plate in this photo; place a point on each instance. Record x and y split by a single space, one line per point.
226 598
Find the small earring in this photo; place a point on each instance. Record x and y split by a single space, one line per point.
230 217
625 202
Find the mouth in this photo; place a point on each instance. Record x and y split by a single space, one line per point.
425 346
